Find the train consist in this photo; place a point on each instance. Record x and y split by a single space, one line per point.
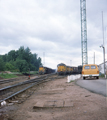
63 69
45 70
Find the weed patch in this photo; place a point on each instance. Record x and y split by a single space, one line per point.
6 75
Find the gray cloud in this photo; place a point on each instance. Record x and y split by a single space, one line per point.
53 27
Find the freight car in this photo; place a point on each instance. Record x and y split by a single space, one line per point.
80 69
75 70
45 70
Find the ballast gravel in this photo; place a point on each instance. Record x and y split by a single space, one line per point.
59 100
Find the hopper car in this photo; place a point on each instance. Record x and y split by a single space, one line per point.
80 69
45 70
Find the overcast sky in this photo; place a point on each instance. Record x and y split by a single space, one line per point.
52 29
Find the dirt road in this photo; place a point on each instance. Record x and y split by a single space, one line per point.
59 100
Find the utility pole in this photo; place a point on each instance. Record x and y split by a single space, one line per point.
103 46
94 57
83 32
44 58
104 59
70 62
103 28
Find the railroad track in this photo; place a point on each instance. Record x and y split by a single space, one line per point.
9 80
10 91
6 81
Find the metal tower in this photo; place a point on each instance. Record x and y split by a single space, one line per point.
83 32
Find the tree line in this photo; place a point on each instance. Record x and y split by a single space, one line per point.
20 60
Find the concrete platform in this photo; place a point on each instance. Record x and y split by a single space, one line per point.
53 104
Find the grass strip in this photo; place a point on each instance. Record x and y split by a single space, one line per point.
7 76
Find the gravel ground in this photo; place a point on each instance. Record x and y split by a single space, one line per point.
71 102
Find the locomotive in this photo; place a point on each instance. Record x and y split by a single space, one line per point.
63 69
45 70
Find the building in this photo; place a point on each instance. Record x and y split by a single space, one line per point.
101 67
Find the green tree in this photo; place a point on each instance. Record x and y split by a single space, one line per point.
2 64
17 60
38 62
9 66
32 67
4 57
20 53
12 56
27 55
22 65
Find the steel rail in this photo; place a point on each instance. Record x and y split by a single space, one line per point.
33 84
20 83
37 82
6 81
11 80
